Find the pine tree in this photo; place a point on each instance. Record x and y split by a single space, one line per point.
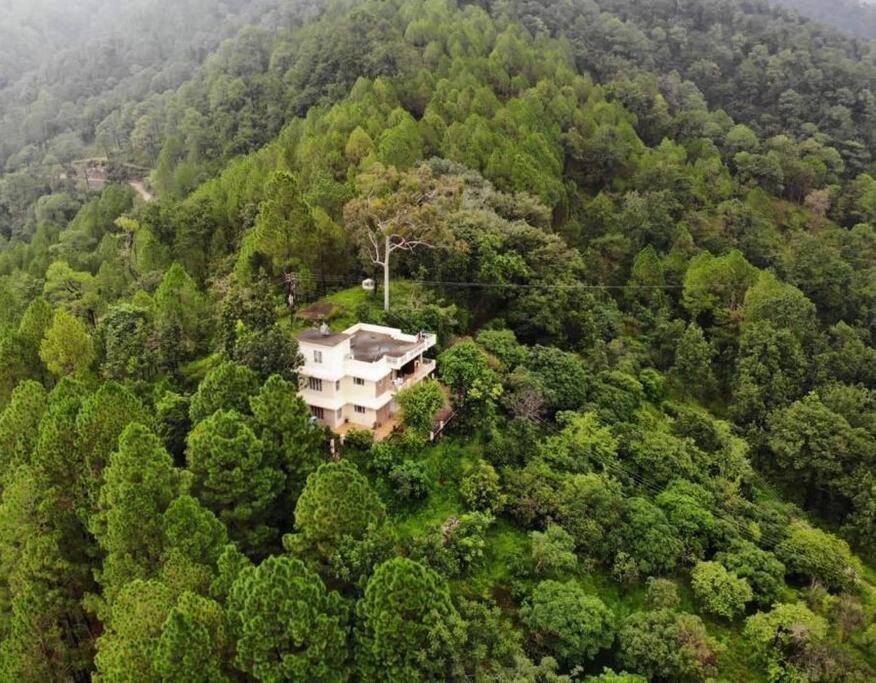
67 348
407 627
291 441
193 644
234 479
139 484
693 362
227 387
337 501
101 421
126 650
19 425
287 626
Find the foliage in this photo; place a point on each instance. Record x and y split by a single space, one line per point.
407 624
474 386
568 622
227 387
193 642
652 286
661 594
268 352
816 554
764 573
337 501
667 644
457 545
481 490
419 404
139 484
410 480
779 638
721 592
233 477
286 625
67 348
552 551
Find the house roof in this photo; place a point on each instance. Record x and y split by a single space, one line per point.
317 337
372 346
365 345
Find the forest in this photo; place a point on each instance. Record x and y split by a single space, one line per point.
647 246
855 16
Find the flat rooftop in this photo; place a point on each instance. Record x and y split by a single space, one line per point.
365 346
317 337
369 347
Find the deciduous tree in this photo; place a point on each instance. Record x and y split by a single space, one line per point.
567 621
399 211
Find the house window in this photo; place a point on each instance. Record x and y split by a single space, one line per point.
317 356
359 381
360 409
318 412
314 383
338 385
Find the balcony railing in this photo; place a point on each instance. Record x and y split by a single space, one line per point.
426 367
396 362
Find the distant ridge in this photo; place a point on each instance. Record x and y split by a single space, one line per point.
853 16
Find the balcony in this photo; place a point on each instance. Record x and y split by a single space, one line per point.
397 362
426 368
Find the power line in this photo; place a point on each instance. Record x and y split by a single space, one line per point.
516 285
495 285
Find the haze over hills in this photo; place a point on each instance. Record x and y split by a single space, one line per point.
643 235
857 17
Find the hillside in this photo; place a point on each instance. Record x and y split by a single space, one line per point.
854 16
652 274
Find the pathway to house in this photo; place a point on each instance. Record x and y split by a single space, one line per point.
145 194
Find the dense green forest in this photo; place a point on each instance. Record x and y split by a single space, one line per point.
651 266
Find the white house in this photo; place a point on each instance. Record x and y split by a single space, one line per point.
352 377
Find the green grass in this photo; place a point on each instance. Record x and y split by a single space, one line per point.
355 305
445 463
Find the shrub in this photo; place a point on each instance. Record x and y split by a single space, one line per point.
719 591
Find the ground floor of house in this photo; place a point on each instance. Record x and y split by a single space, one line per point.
357 409
354 414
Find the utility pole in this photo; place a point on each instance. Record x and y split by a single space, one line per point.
291 280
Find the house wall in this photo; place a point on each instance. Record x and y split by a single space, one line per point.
384 413
332 364
366 419
340 394
332 418
384 385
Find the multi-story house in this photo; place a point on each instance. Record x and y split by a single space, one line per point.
352 377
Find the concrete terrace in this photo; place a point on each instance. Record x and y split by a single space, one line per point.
370 346
367 346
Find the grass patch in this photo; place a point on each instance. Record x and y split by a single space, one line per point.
445 464
505 543
354 305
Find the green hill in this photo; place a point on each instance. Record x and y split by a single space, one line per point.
645 234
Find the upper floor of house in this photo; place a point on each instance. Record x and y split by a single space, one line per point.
369 353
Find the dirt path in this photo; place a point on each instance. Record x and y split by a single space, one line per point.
145 194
